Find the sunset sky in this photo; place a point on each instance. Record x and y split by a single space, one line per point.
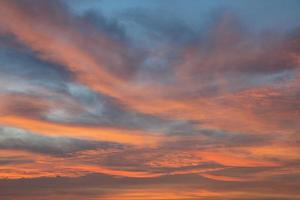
149 99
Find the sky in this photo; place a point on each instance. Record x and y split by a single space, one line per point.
149 99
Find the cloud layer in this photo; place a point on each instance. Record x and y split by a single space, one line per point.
145 105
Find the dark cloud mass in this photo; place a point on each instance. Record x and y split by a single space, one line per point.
149 100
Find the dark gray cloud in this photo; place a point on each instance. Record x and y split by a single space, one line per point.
28 65
104 187
28 74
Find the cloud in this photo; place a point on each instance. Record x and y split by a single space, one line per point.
214 108
18 139
28 89
224 64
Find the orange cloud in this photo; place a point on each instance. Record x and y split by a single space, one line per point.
219 85
96 133
162 194
223 178
231 112
233 160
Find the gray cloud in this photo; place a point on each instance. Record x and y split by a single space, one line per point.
28 65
